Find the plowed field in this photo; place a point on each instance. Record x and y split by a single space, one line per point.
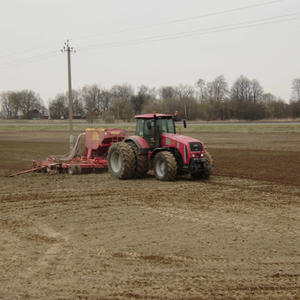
236 236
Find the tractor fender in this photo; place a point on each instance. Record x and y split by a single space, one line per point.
175 152
140 142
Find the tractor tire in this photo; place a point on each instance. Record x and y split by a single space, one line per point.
165 166
205 173
141 168
121 160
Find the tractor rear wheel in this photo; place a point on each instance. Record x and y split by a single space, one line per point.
205 173
165 166
121 160
141 161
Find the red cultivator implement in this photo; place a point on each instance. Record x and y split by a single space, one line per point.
89 153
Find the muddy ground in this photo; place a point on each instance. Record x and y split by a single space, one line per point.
235 236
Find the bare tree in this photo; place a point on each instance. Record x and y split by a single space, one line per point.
124 91
105 99
185 93
143 96
29 102
216 94
245 89
20 103
274 107
296 89
247 99
218 89
6 105
268 98
257 91
91 98
242 89
58 107
295 99
202 89
121 105
167 92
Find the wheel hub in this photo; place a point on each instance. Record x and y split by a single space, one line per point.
161 168
116 162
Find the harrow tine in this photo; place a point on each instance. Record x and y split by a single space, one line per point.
27 171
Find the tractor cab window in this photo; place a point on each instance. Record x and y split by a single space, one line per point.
166 125
148 128
144 128
140 127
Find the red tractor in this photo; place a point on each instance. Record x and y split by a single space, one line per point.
156 146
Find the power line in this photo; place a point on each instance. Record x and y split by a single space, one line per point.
42 56
222 28
158 38
28 50
227 11
223 12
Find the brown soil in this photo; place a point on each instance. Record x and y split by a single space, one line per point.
235 236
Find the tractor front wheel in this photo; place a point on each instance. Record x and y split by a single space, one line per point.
165 166
121 160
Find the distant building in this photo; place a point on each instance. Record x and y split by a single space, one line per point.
36 114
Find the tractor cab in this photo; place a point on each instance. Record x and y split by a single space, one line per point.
152 126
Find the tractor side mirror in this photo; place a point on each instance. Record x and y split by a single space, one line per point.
184 123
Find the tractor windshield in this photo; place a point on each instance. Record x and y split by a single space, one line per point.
145 127
166 126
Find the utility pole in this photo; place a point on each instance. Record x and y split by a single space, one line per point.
69 50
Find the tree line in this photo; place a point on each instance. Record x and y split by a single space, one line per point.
213 100
25 104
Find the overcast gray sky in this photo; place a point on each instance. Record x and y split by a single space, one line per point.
151 42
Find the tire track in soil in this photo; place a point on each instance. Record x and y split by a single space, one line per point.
272 289
165 259
168 259
50 195
209 219
267 188
51 253
48 199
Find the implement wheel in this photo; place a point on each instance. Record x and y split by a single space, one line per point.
141 168
121 160
165 166
74 169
